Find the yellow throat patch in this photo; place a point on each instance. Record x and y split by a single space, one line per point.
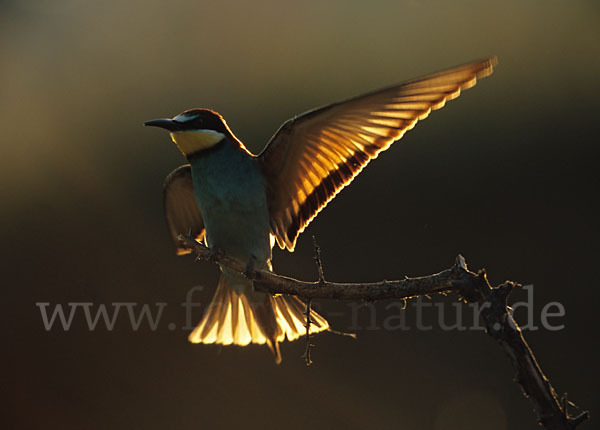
192 141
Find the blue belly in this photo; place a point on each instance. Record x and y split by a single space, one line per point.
230 193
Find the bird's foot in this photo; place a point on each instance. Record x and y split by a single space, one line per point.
250 267
215 253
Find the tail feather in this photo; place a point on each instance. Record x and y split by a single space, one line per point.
252 324
239 315
291 317
225 331
235 315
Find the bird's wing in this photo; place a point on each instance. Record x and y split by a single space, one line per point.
181 210
313 156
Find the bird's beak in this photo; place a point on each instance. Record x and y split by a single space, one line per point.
167 124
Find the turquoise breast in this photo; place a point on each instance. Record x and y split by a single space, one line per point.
230 193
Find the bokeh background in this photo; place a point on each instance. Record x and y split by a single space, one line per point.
507 175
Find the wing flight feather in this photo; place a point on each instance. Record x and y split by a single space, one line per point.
313 156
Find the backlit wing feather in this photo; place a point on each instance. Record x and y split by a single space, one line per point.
313 156
181 210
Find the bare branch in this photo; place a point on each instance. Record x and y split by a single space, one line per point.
318 261
307 358
473 287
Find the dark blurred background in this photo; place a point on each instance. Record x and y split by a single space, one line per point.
507 175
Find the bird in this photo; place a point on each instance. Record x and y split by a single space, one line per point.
241 204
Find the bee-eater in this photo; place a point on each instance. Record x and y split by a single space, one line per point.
241 204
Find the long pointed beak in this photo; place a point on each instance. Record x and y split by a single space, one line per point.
167 124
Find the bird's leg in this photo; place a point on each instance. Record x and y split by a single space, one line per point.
250 266
215 252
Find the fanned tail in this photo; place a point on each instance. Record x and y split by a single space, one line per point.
238 315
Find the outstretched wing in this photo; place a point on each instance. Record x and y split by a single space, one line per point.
313 156
181 210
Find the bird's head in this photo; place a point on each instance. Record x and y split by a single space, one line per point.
194 130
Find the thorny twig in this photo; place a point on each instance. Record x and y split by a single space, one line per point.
473 287
319 264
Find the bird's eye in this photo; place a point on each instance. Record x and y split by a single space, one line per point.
183 118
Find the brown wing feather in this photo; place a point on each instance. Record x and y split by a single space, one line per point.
313 156
181 210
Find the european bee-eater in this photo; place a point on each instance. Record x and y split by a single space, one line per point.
241 203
